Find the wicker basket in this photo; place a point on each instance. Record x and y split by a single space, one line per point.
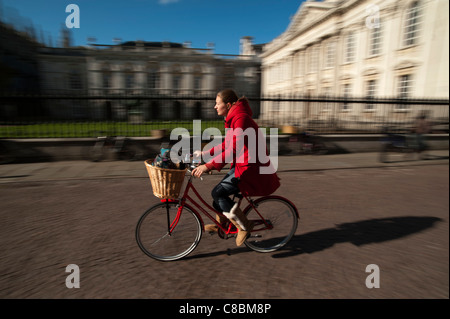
166 183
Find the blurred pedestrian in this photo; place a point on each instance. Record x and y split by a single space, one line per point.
421 127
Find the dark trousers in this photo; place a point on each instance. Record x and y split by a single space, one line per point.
221 193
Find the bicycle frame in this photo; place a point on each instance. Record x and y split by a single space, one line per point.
227 231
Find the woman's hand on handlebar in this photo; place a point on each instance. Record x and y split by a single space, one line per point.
198 171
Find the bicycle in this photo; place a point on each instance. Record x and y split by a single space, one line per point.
172 229
116 147
397 143
306 143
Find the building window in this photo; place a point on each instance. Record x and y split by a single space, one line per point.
412 24
307 61
129 77
404 88
129 81
176 83
315 58
301 63
375 41
330 53
347 92
106 76
327 106
276 106
197 82
370 93
350 47
106 80
229 75
152 78
198 78
75 82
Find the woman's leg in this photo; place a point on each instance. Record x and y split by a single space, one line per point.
221 193
222 202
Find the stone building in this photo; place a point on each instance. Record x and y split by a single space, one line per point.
359 48
18 71
148 80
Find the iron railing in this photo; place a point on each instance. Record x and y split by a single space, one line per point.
349 115
69 114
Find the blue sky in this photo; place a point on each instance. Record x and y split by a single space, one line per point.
222 22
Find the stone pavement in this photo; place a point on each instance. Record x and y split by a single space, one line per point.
75 170
56 214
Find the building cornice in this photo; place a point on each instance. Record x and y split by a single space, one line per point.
335 9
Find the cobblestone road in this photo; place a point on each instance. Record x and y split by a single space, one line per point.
396 217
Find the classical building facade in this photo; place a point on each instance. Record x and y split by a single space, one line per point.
359 48
18 71
169 74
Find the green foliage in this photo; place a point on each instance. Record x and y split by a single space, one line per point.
94 129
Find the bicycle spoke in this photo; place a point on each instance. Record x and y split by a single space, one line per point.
158 240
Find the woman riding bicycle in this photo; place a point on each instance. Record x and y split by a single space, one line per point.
249 174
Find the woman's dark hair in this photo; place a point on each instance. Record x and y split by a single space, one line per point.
230 96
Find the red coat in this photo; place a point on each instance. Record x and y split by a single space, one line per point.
242 142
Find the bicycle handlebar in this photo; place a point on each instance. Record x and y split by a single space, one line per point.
192 163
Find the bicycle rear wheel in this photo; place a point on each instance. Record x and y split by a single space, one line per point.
154 238
282 217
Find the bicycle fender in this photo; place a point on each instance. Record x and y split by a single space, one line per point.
176 201
249 206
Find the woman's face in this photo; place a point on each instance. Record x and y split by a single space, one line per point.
221 107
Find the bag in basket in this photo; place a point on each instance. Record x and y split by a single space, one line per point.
165 176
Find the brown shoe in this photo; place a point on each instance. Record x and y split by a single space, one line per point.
213 228
243 225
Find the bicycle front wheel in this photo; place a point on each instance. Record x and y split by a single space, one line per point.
281 220
161 237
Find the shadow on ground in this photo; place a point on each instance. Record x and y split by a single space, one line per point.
358 233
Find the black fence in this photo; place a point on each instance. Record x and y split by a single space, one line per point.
336 115
87 115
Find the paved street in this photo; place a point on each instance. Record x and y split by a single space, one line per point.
354 212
